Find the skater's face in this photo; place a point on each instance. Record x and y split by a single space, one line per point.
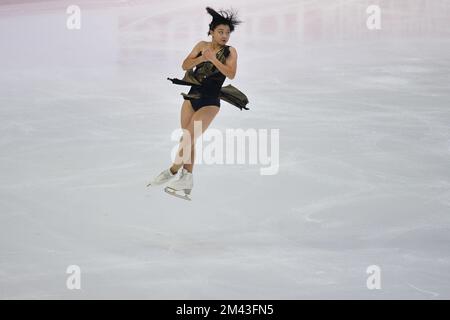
221 34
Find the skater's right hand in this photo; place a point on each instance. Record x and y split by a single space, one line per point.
208 54
202 58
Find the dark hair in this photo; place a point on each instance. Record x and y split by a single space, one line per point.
227 17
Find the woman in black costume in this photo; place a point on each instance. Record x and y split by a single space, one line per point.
213 62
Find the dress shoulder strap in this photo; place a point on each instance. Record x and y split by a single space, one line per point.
227 51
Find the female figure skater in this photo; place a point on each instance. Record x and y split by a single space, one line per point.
213 61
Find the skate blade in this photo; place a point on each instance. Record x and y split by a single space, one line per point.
174 193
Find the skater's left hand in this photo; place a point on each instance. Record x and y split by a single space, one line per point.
208 54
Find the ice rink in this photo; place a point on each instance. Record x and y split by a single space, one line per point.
86 118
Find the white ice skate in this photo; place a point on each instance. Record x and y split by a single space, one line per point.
162 178
184 184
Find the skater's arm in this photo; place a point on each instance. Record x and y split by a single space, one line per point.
229 68
192 60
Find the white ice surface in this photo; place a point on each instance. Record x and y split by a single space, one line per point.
86 118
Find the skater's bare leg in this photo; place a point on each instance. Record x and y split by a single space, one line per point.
186 115
190 166
205 115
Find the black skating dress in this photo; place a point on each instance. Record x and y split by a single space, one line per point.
206 85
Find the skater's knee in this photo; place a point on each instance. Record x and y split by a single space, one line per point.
189 136
189 132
